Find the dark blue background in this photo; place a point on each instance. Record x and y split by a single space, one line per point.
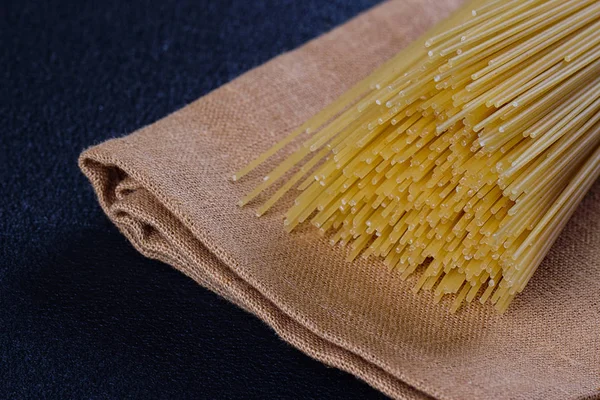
82 314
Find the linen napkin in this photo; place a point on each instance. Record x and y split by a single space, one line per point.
166 187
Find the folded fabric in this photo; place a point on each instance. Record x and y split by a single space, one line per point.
166 187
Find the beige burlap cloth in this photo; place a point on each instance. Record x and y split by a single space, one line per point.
166 187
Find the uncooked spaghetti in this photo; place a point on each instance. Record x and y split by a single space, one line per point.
464 156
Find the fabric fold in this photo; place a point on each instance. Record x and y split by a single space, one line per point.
166 187
157 234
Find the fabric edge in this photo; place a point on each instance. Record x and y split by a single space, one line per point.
104 178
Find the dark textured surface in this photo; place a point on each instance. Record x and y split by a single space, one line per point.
82 314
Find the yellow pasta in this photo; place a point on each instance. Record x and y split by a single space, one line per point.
462 157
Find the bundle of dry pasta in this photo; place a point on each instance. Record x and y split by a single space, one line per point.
464 156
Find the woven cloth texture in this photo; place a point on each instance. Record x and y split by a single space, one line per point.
166 188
